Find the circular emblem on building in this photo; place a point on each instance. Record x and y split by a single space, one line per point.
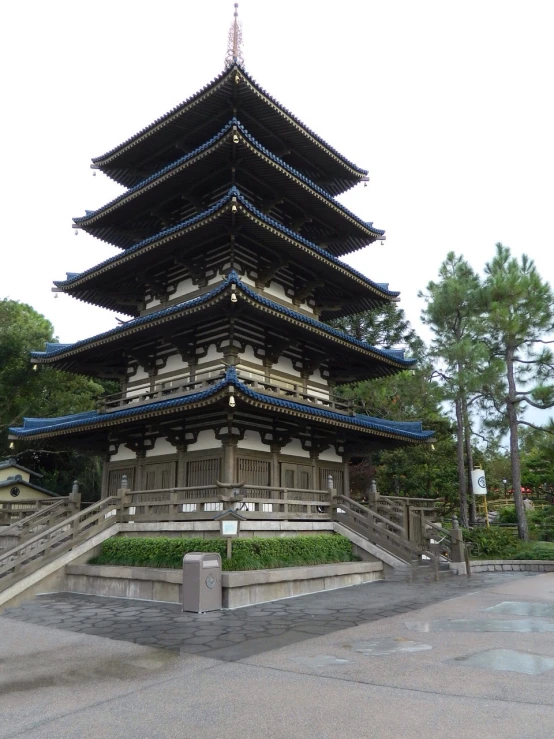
210 581
14 492
481 482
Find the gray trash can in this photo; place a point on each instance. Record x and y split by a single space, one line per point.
201 582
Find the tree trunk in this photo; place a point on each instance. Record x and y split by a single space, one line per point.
469 459
522 528
460 459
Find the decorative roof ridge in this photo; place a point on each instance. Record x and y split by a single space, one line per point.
233 192
160 235
60 348
233 277
36 425
215 140
166 118
164 170
320 250
396 354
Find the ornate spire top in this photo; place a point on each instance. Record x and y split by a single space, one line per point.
234 44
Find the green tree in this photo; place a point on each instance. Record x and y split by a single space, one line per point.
518 318
46 392
452 304
425 470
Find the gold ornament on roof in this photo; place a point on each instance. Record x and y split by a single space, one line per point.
234 44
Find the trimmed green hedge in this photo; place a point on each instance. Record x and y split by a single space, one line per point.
256 553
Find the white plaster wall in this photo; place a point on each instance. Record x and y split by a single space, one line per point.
252 440
206 440
248 355
316 377
330 455
294 448
278 291
123 455
306 307
152 303
162 446
213 355
285 365
175 363
247 280
184 287
139 375
217 278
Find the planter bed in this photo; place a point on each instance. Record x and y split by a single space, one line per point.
239 588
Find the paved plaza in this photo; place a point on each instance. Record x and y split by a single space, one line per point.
458 658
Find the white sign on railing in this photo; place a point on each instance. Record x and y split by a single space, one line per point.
478 482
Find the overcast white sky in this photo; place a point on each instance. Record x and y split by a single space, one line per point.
448 104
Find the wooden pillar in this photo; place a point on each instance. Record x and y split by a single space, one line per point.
139 472
105 474
229 443
346 475
314 455
181 465
275 479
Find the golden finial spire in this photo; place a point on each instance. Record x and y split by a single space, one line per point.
234 45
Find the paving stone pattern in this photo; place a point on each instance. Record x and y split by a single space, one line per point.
244 632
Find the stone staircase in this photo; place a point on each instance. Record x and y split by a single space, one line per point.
35 547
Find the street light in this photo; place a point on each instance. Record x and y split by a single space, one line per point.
505 482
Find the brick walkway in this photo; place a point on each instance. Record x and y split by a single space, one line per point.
244 632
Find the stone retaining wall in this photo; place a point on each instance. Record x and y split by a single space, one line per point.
512 565
239 588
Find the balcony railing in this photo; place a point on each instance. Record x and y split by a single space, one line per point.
186 384
203 503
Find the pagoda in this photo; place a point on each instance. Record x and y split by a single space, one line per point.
230 239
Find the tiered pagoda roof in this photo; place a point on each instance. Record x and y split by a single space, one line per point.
229 191
115 282
199 118
407 431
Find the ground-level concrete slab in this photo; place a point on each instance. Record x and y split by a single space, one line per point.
365 677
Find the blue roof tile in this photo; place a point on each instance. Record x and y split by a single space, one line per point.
396 354
218 137
214 82
34 426
233 192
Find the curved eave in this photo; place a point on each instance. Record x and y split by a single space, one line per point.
243 394
82 285
361 232
166 131
243 292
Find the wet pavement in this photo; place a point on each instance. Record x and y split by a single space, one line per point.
340 664
243 632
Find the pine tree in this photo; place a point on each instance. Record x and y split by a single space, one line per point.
516 323
452 304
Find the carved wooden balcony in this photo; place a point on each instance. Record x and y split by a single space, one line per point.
187 384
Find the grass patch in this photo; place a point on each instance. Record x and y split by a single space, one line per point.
256 553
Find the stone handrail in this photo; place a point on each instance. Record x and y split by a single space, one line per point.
376 528
41 520
63 536
12 511
203 502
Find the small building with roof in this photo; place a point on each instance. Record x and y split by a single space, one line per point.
15 483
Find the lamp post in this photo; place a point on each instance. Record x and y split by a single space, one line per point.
505 483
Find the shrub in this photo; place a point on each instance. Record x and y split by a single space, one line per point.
507 514
248 554
491 542
535 552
